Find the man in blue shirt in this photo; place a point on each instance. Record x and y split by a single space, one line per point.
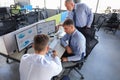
73 41
81 14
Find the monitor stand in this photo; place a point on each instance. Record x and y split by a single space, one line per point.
27 48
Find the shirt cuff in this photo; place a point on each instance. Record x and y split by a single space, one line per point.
57 60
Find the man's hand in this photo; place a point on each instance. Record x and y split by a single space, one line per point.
55 53
87 27
69 50
64 59
57 27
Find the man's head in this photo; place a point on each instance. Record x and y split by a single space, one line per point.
69 5
68 26
41 43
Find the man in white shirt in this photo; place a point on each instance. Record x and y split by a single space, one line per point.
39 66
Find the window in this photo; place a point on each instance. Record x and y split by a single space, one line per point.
52 4
37 3
103 4
63 5
6 3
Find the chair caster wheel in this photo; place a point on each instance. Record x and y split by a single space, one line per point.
82 78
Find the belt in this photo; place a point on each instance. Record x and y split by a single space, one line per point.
78 27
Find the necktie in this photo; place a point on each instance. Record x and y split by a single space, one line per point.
74 16
70 40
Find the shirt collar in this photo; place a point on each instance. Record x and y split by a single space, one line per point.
73 33
40 55
75 7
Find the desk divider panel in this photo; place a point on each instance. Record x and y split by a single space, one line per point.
10 41
57 18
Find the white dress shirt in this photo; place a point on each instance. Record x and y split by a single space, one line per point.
39 67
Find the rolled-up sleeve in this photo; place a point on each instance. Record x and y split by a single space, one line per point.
89 16
70 15
64 40
79 48
58 66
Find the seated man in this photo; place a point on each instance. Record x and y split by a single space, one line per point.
39 66
76 45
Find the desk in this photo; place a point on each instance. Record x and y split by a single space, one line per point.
17 56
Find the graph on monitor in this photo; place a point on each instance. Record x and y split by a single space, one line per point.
25 37
47 27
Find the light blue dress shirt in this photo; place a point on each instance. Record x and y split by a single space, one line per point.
84 15
77 44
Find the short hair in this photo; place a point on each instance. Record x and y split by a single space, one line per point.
68 22
40 42
69 1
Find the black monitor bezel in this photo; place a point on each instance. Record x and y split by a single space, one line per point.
17 40
46 22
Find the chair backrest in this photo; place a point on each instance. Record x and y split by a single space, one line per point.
100 22
32 17
44 14
7 26
90 45
113 17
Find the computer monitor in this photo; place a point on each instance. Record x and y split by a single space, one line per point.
28 7
25 37
47 27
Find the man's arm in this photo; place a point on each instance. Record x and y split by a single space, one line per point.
57 66
69 15
80 48
65 44
64 40
89 16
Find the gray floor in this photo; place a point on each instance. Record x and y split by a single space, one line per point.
102 64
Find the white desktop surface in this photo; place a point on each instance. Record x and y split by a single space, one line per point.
57 47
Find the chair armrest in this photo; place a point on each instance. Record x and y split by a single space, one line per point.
73 64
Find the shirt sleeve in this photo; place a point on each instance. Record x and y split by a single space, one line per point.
64 40
57 66
80 48
70 15
25 56
89 16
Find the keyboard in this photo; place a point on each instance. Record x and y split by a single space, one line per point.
53 43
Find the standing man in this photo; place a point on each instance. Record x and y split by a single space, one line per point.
81 14
73 41
39 66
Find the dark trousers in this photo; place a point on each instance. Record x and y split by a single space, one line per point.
82 30
67 55
87 32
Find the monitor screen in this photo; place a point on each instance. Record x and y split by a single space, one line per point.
25 37
47 27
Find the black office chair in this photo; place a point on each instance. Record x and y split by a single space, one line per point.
98 24
91 37
113 23
31 17
7 26
74 65
44 14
